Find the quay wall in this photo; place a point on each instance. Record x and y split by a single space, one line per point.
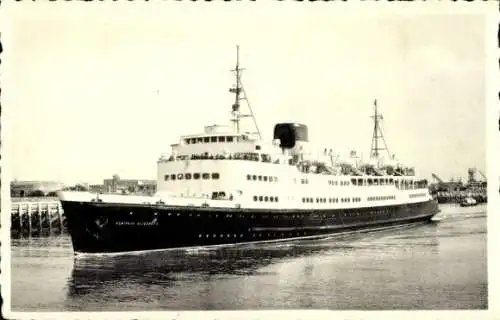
36 217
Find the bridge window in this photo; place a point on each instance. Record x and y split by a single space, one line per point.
257 147
229 139
199 140
254 177
206 176
196 176
265 178
213 139
166 177
260 178
261 198
206 139
188 176
270 179
249 177
215 175
172 177
266 198
222 139
254 198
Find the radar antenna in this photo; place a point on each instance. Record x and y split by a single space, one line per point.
239 95
377 135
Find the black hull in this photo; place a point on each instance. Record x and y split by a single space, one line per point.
109 227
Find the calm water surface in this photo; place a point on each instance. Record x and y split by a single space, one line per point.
431 266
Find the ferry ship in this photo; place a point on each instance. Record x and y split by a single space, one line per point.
226 186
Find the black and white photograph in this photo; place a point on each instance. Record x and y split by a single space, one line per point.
245 157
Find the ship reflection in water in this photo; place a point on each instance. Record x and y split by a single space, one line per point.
431 266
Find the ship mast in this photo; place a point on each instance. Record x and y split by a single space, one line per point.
377 135
239 95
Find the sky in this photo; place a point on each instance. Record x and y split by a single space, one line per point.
92 94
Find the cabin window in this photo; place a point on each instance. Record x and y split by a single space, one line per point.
254 177
370 182
172 177
254 198
187 141
213 139
261 198
260 178
353 181
200 140
196 176
271 199
180 176
222 139
257 147
249 177
188 176
229 139
205 176
270 179
266 198
215 175
166 177
276 199
265 178
206 139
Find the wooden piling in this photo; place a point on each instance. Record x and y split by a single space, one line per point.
36 217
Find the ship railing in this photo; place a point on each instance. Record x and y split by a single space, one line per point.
246 156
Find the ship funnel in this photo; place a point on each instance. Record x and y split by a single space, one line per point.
290 133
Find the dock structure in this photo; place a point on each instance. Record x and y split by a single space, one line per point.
36 217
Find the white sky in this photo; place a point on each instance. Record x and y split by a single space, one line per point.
92 94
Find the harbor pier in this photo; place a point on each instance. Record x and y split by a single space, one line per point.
36 217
